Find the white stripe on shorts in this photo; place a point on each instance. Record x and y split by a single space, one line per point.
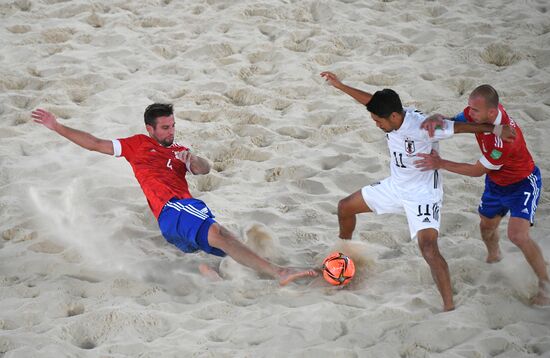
194 213
536 193
171 205
187 208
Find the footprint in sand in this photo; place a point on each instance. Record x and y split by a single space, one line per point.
208 182
311 186
46 247
245 96
328 163
500 55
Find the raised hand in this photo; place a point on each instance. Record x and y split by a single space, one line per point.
45 118
331 78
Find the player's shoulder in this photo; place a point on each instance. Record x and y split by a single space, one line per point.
414 115
136 138
178 146
411 124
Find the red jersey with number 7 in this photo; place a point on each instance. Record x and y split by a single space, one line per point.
509 162
160 175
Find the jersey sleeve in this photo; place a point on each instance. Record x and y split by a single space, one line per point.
496 155
487 164
447 131
461 117
126 147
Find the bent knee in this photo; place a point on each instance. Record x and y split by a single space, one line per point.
344 206
487 224
429 252
219 237
428 247
519 239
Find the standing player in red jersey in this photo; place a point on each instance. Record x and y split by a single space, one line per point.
160 167
512 184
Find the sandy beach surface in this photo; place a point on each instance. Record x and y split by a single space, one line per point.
84 271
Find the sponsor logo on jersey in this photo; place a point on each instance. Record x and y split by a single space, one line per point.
426 220
525 211
495 154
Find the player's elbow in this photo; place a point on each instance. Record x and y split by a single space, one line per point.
204 170
478 172
202 167
101 146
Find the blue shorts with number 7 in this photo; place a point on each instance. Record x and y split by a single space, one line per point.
520 198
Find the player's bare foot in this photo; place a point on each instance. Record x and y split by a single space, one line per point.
209 272
493 257
448 308
542 298
287 276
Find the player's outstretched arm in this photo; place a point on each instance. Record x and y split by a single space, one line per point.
435 121
506 132
360 96
83 139
433 161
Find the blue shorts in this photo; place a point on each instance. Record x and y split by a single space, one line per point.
520 198
185 223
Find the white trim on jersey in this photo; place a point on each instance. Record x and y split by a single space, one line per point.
117 148
498 119
498 142
487 164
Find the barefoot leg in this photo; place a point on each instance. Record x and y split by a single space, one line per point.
287 276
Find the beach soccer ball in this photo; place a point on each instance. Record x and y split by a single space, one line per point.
338 269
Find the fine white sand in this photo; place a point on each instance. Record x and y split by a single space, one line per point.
84 271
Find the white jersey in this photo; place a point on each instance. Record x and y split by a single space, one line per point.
409 182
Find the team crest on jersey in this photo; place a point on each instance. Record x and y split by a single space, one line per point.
409 146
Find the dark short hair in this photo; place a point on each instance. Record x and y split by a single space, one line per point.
488 93
155 110
383 103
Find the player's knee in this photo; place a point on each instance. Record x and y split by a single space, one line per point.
519 239
343 208
429 249
488 225
219 237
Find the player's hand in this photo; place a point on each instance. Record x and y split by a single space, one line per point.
184 156
432 123
45 118
427 162
508 133
331 78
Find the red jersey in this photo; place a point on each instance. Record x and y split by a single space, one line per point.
160 175
509 162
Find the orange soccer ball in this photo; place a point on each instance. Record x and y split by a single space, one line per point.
338 269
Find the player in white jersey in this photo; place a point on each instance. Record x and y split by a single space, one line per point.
408 189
